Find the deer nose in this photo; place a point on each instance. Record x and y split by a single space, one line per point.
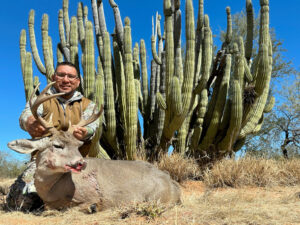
81 164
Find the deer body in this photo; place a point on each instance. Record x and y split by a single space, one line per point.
63 178
107 183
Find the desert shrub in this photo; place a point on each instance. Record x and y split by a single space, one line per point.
179 167
10 168
253 171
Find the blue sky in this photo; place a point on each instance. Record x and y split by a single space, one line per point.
14 16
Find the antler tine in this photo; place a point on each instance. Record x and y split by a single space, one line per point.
39 100
92 118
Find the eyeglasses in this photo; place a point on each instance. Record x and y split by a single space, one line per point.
71 77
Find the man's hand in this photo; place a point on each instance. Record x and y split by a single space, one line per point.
34 128
80 133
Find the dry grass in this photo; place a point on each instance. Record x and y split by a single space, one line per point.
179 168
275 205
148 210
267 192
252 171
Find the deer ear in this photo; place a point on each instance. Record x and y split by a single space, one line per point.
23 146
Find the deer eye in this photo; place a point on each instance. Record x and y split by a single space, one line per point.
58 145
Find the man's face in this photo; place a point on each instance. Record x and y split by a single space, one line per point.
66 78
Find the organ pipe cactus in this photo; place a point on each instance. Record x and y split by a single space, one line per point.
197 101
225 120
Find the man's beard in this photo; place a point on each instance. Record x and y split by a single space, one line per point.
68 95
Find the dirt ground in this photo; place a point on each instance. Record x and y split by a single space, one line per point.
251 205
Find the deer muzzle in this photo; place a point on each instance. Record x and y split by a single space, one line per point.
76 167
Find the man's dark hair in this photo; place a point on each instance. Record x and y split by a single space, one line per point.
67 64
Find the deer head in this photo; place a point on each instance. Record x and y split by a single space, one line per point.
58 152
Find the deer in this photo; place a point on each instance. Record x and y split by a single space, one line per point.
64 179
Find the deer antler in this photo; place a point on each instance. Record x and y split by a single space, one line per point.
39 100
92 118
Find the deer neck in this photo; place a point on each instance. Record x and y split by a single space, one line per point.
45 181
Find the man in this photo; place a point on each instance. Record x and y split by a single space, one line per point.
69 107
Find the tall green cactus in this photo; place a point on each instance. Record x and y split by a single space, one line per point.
194 101
131 115
28 80
32 39
174 92
74 41
88 60
109 97
262 73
